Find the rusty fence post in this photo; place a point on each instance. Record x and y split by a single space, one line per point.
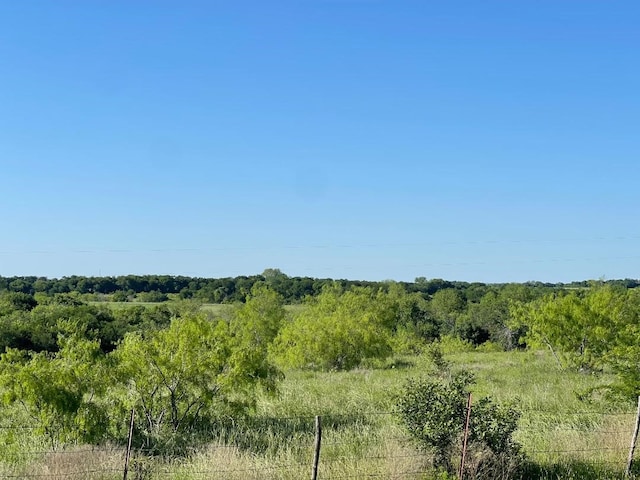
465 438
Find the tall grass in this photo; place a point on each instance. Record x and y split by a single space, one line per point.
562 434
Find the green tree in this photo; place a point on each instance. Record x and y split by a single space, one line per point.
414 324
254 325
121 296
154 296
258 320
338 330
488 320
623 354
446 306
59 391
13 301
579 327
182 377
589 329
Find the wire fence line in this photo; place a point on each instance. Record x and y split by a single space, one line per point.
596 439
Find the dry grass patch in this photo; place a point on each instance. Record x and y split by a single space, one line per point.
104 463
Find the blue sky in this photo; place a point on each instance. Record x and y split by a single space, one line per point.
484 141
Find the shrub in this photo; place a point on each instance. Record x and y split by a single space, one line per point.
452 344
154 296
120 296
434 413
489 347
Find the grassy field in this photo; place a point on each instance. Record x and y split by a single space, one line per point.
215 308
563 436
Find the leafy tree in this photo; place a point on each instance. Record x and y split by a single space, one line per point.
432 286
623 354
13 330
589 329
489 319
133 318
579 327
13 301
414 324
41 285
181 377
41 331
22 285
254 325
446 306
59 391
338 330
121 296
474 292
258 320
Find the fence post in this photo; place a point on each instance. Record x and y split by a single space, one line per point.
465 438
128 454
634 439
316 454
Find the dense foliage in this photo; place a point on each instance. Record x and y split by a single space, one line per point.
156 288
76 365
338 330
589 329
153 288
35 326
179 373
185 376
434 412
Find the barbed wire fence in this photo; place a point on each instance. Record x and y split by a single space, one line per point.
327 448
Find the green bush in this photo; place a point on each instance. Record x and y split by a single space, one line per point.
337 331
434 413
120 296
154 296
453 344
17 301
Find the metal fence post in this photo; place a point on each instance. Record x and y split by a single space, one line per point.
465 438
128 454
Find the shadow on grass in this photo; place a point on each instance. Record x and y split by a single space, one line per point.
578 470
260 435
266 434
399 364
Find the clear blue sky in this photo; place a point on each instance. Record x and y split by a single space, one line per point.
468 140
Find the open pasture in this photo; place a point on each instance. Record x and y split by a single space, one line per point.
562 435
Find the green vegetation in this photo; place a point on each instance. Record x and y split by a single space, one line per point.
561 435
237 386
431 411
338 330
592 330
153 288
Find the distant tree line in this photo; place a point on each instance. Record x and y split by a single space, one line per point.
156 288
